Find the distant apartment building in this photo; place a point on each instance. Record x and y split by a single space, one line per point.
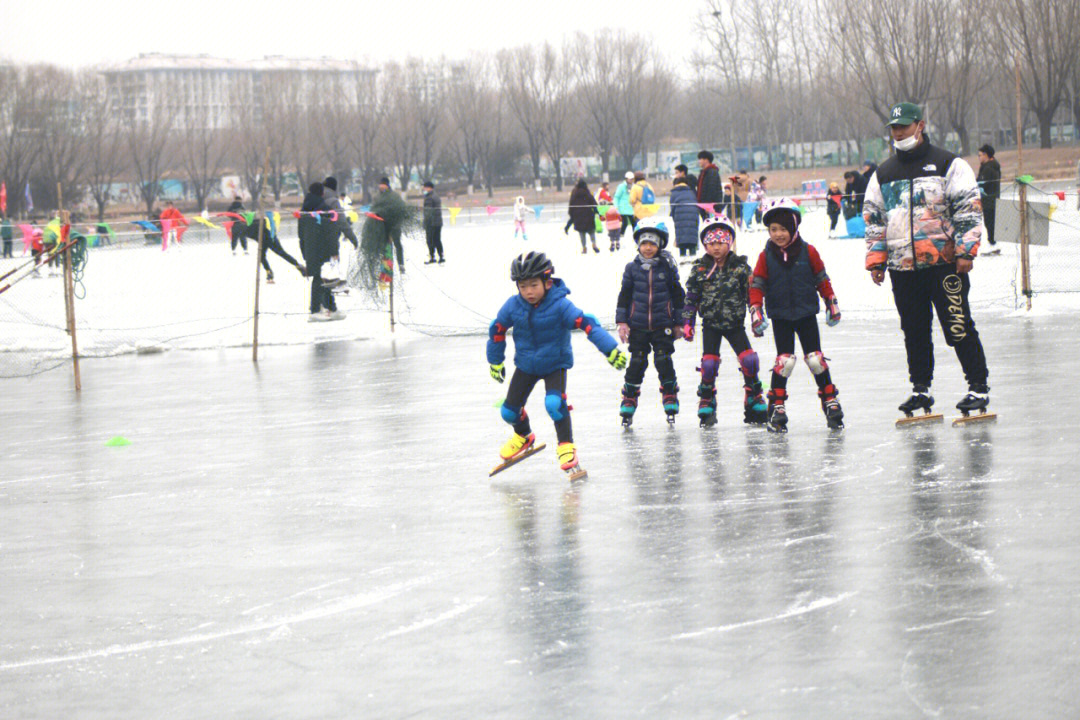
212 91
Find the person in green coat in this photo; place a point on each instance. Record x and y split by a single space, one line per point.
7 234
623 204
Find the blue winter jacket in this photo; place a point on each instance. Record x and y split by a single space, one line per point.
542 332
622 200
685 215
651 297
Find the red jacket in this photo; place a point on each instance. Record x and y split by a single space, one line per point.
174 215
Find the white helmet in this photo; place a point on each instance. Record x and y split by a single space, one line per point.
629 175
718 221
780 205
652 226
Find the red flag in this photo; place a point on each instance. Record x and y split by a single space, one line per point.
1060 195
3 198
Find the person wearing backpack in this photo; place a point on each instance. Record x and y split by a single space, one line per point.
642 197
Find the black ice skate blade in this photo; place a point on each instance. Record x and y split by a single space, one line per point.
975 419
781 429
707 420
516 459
671 420
627 421
920 419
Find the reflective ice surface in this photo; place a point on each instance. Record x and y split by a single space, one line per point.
317 537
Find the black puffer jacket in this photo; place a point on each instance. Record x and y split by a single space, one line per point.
315 232
583 210
651 297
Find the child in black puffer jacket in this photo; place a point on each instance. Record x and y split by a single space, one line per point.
649 317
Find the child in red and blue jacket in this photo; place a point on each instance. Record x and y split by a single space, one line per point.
542 317
788 278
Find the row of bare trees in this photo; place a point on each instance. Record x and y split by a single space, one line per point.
773 72
800 70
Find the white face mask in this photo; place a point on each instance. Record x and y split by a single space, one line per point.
908 143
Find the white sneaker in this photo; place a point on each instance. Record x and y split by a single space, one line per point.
336 315
321 316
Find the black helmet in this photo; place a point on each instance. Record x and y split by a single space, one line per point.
531 265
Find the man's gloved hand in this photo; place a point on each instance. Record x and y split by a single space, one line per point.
832 309
498 372
618 359
758 323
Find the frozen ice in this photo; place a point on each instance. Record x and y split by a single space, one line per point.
316 535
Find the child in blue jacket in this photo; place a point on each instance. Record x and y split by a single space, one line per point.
542 317
649 316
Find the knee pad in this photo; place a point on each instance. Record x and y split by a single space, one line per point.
660 355
511 414
748 361
710 366
785 365
816 362
555 404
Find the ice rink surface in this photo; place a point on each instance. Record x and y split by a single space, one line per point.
317 537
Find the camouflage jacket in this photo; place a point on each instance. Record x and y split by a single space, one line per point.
720 297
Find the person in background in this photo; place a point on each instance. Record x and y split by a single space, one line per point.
237 205
855 191
520 213
177 225
740 185
583 213
433 223
642 197
604 196
833 199
989 180
709 191
681 171
684 214
7 234
315 233
623 205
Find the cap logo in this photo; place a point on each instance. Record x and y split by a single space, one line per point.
896 111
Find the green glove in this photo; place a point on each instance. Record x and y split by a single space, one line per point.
498 372
618 359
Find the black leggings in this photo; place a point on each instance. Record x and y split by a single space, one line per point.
628 221
736 337
662 344
272 243
521 385
784 332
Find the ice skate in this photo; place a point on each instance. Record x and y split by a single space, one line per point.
584 251
568 462
920 399
755 411
706 410
516 449
973 406
994 250
777 413
612 248
269 278
834 415
629 403
430 261
321 316
442 260
669 391
618 245
595 248
337 315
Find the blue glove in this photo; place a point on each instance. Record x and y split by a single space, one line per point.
832 308
758 323
498 372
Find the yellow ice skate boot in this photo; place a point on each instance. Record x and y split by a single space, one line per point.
568 461
516 445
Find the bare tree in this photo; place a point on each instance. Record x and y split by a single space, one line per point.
893 47
402 135
646 85
962 74
370 102
302 147
468 108
19 116
600 87
518 72
200 148
555 88
147 139
105 156
1046 37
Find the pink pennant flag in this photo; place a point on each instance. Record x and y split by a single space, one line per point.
492 209
707 207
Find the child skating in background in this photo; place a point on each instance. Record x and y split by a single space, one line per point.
718 289
649 317
520 212
613 225
542 317
788 278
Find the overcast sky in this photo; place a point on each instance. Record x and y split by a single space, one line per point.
375 31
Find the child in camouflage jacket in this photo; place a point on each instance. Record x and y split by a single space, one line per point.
718 289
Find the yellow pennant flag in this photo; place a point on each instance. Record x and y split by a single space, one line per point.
453 214
353 217
203 221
